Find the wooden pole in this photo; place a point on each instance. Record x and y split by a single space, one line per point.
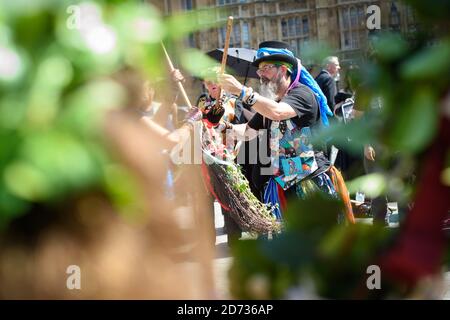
179 84
227 44
225 50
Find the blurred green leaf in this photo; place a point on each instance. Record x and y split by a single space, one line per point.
60 159
94 45
416 122
249 262
432 10
124 191
345 253
315 214
10 206
180 25
430 63
25 7
138 23
390 47
12 112
13 66
196 62
52 75
360 131
282 251
372 184
27 182
315 52
55 71
32 30
87 106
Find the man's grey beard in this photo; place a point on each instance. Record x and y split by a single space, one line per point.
270 89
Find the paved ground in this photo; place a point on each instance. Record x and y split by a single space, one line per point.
223 260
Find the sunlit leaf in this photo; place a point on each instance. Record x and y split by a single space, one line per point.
372 184
27 182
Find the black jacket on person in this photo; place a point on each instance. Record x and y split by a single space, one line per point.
328 86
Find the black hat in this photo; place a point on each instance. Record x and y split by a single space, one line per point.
264 54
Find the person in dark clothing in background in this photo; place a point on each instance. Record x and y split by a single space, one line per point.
327 82
326 79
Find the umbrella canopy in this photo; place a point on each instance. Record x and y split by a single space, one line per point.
239 60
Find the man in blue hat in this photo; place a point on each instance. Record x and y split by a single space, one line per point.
288 105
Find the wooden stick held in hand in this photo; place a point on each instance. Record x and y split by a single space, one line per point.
227 44
179 84
225 53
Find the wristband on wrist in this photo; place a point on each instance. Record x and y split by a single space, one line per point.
223 126
241 96
247 94
252 99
